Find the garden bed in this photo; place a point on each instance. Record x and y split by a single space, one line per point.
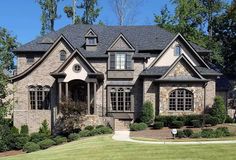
11 153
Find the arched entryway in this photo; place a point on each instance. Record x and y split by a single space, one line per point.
77 90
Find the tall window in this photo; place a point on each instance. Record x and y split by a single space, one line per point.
39 97
120 99
178 50
181 100
121 61
62 55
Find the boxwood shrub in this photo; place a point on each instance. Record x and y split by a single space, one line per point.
37 137
89 128
44 144
60 140
180 134
3 146
158 125
196 135
20 141
138 126
208 133
73 137
84 133
177 124
31 147
188 132
213 121
196 123
105 130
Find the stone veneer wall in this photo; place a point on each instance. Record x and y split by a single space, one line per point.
211 93
196 88
150 91
39 76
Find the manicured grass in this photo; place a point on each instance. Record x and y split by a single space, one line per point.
104 148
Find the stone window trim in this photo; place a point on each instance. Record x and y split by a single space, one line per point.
62 55
178 50
39 97
181 100
120 99
128 62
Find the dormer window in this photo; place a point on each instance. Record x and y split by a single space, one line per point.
62 55
178 50
91 41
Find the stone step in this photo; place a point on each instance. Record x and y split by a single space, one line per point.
121 125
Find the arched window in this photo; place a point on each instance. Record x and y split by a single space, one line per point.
39 97
178 50
62 55
181 100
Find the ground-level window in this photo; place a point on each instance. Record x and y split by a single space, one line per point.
181 100
120 98
39 97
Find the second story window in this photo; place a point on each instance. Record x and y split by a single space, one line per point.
91 41
62 55
121 61
29 59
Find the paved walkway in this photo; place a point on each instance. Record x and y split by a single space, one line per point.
124 136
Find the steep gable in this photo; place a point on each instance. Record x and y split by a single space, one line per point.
121 43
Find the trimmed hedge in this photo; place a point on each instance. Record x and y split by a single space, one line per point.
44 144
37 137
59 140
213 121
196 123
158 125
89 128
138 126
73 137
188 132
196 135
84 133
177 124
20 141
180 134
31 147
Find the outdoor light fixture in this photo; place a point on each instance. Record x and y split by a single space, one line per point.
174 132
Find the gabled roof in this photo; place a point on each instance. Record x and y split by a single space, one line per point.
182 57
37 63
148 38
187 44
121 36
69 59
90 33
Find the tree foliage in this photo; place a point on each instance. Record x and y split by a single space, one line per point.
49 15
147 113
7 44
219 109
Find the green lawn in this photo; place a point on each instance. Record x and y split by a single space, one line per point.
103 147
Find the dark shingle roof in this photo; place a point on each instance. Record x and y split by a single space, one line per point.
159 71
141 37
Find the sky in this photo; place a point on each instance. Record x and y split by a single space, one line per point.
22 17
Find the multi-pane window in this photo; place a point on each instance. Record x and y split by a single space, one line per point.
39 97
181 100
120 99
62 55
121 61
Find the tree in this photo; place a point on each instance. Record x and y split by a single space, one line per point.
147 113
7 44
219 110
125 10
49 15
90 12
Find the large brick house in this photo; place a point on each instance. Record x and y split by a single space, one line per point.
114 69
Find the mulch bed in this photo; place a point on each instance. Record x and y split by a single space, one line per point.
165 133
11 153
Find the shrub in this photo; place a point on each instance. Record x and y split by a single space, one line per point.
213 121
189 118
196 135
14 130
99 126
24 130
158 125
229 119
44 144
138 126
224 130
188 132
37 137
60 139
73 137
196 123
105 130
31 147
147 113
167 120
95 132
208 133
89 128
180 134
218 110
44 128
177 124
20 141
3 146
84 133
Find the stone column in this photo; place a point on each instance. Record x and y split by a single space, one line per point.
94 98
60 91
66 90
88 97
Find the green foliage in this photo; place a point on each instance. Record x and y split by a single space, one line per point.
44 144
219 109
188 132
100 126
224 130
105 130
84 133
229 119
60 140
44 129
73 137
196 135
158 125
147 113
14 130
3 146
89 128
138 126
208 133
177 124
20 141
24 130
213 121
31 147
180 134
196 123
37 137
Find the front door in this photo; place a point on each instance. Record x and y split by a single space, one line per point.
78 91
